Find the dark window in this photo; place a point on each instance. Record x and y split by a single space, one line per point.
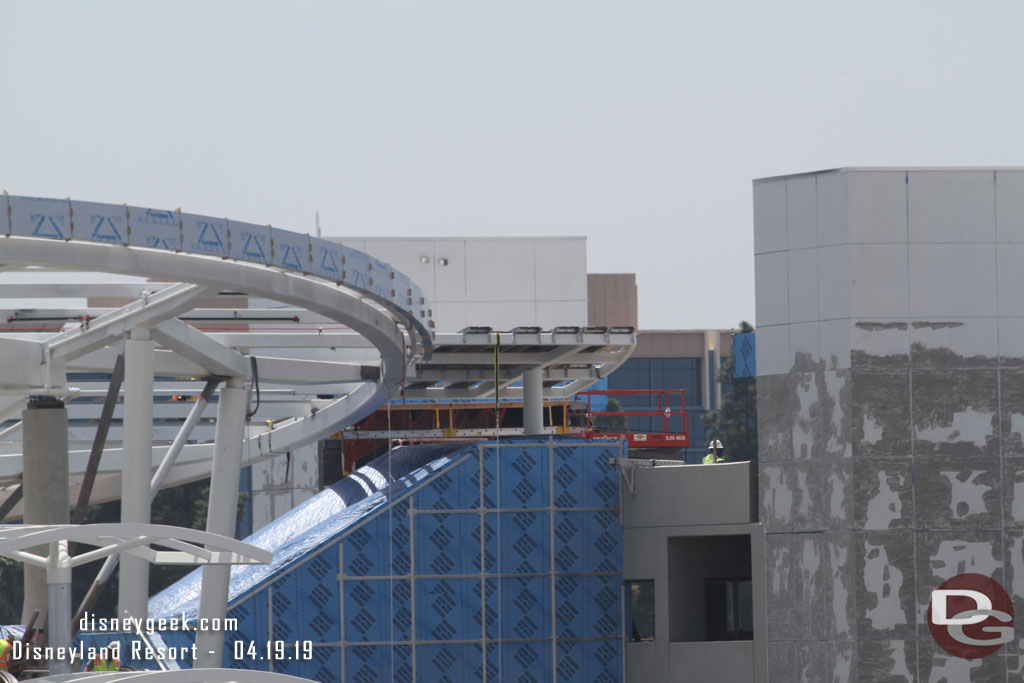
729 609
641 610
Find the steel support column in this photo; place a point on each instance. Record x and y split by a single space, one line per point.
45 478
533 401
137 468
58 624
227 463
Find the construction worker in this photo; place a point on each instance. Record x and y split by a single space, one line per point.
5 654
106 659
715 452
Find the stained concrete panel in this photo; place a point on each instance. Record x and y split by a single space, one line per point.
780 586
841 586
834 407
952 280
838 481
832 209
935 664
886 602
806 416
801 212
771 294
951 342
804 346
955 411
1013 540
883 495
1009 206
1011 342
878 280
1011 411
951 206
811 557
1013 492
880 413
782 662
842 664
944 554
957 492
812 661
803 286
880 345
774 435
792 496
891 661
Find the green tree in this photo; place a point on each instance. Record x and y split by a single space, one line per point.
735 420
611 424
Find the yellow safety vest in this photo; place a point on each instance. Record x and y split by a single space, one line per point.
5 653
710 459
105 665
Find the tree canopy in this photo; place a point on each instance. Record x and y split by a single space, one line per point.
735 420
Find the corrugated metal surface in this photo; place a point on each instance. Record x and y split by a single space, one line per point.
496 562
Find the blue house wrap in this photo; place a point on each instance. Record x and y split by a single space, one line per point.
468 562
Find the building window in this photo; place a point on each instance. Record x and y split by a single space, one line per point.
729 609
641 610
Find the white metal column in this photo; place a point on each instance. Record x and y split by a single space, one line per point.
227 463
533 401
58 624
137 467
45 478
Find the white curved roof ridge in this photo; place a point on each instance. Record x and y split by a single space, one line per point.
176 231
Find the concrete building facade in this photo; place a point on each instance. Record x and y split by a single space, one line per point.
890 315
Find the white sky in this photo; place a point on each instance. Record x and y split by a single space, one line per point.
638 123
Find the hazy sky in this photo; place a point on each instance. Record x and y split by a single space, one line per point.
638 123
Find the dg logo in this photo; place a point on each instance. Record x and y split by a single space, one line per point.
970 616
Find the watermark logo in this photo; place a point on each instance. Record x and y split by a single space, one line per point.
970 616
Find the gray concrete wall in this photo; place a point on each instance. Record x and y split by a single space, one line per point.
669 507
891 413
725 493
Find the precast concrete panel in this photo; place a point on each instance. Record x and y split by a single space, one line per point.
770 223
500 271
1009 206
205 235
93 222
953 280
553 313
561 269
154 228
801 212
771 273
878 281
450 275
38 217
453 315
833 282
1010 283
290 250
250 242
504 317
803 285
877 206
407 256
5 214
773 357
832 215
889 461
951 206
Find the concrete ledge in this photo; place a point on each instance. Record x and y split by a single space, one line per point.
731 660
667 493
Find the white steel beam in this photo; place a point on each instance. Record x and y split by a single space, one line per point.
147 311
200 349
